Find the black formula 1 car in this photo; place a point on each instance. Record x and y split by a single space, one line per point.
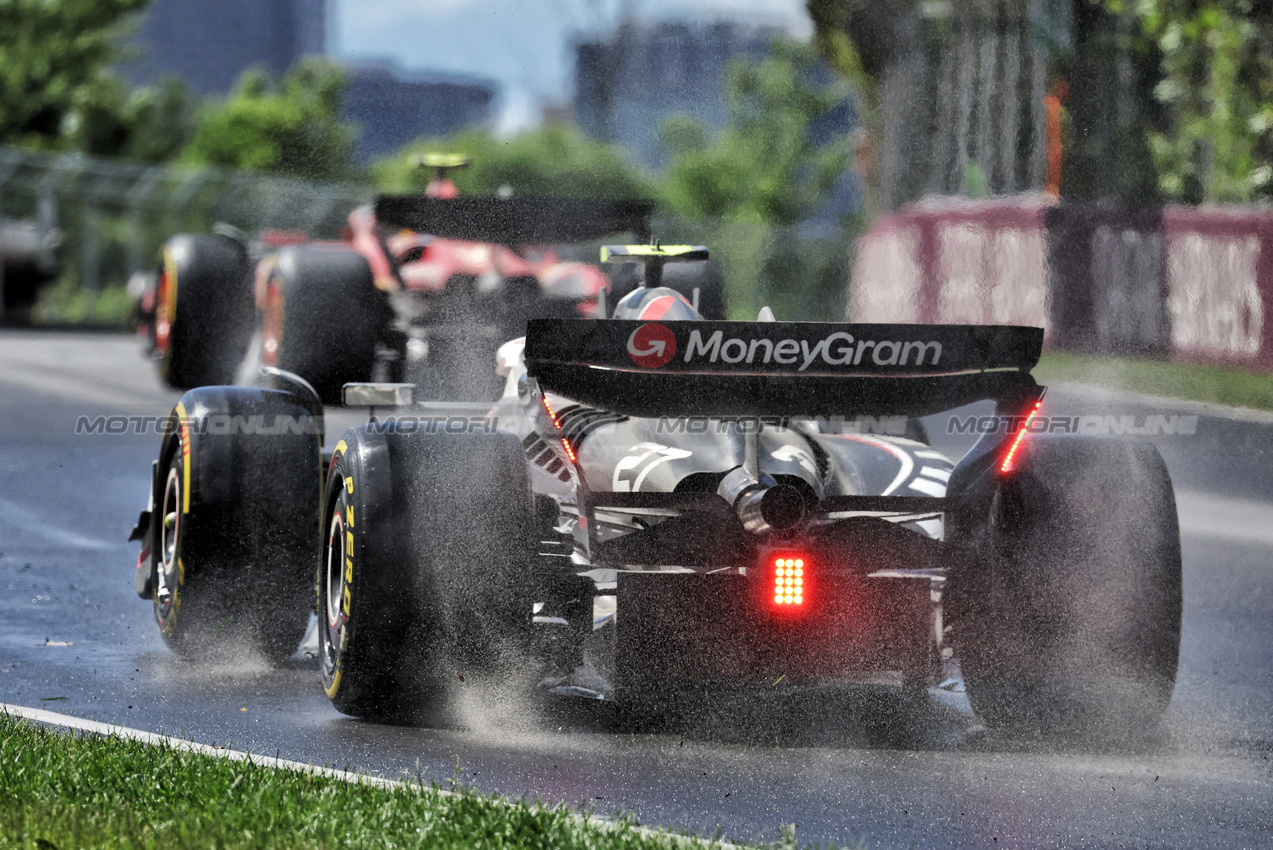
659 501
30 259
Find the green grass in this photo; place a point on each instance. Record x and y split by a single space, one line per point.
65 791
67 303
1212 384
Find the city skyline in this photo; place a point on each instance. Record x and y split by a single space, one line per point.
523 46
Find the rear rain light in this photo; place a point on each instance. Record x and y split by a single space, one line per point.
565 443
788 576
1010 457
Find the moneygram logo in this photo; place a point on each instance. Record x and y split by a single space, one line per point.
652 345
836 349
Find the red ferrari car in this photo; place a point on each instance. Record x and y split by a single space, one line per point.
423 288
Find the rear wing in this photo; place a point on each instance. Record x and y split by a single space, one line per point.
654 258
735 369
516 221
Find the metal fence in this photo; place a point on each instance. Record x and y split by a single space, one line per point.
115 215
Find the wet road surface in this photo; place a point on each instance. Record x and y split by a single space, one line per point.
842 765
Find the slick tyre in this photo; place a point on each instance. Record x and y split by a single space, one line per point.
203 310
1072 613
236 525
703 275
322 317
367 616
424 581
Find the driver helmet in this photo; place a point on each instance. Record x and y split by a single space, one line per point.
659 303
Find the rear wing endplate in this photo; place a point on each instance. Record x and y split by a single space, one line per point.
739 369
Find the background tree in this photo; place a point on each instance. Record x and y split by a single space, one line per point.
773 163
55 59
148 124
1168 99
750 191
1216 63
291 128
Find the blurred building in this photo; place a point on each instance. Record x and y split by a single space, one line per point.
627 84
395 107
210 45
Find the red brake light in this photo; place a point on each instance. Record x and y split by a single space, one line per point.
788 576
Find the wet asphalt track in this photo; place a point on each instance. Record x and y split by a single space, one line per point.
841 766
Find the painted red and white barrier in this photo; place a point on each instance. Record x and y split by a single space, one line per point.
1186 283
1219 282
954 262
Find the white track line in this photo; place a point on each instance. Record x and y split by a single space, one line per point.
28 521
1225 518
66 721
57 387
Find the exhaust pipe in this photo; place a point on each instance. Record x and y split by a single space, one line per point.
762 508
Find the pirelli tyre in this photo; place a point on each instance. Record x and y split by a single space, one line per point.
235 524
424 577
322 317
1068 623
204 313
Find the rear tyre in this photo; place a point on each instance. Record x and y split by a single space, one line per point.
370 622
704 276
472 537
323 316
235 525
1071 614
203 310
424 588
